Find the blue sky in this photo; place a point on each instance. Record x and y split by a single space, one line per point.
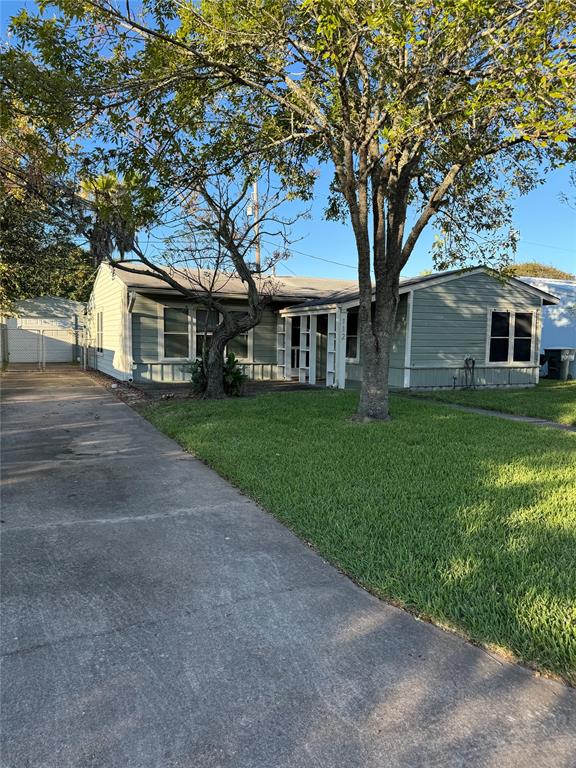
547 229
547 226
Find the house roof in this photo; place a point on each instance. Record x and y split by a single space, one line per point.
305 292
414 283
559 327
550 283
49 306
282 288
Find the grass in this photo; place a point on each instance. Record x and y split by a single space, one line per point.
462 519
552 400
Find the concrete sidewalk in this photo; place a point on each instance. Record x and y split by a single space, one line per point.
153 617
534 420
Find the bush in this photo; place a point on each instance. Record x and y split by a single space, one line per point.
234 376
197 376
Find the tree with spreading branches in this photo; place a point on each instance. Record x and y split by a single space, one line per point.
148 181
428 112
40 253
210 246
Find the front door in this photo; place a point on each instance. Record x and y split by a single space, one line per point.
295 348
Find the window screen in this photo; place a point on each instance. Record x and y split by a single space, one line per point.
352 336
499 337
522 337
206 323
239 344
176 340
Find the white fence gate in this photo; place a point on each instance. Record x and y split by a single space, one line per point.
43 343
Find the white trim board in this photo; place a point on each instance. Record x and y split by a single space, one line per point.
408 339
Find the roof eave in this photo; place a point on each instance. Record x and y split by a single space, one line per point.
168 290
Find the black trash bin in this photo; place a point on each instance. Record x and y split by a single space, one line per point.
559 359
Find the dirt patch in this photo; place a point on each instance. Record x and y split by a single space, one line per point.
139 397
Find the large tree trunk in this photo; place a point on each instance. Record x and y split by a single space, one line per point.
378 304
378 323
215 368
224 333
375 346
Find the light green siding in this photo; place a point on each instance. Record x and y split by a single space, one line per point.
396 377
450 323
147 339
108 297
145 329
484 376
265 338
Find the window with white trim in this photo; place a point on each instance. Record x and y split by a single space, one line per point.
176 334
511 336
206 323
352 336
99 332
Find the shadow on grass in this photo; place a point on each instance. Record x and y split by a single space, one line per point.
463 519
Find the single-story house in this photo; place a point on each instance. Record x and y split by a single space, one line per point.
450 327
559 320
45 329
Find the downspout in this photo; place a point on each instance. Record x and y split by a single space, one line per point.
538 340
128 335
341 322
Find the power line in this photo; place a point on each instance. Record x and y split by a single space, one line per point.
353 266
274 245
281 265
545 245
317 258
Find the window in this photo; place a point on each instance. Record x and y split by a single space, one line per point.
511 337
176 333
99 332
239 344
522 352
352 337
499 337
206 323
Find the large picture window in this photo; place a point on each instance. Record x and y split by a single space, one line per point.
511 336
352 337
176 338
206 323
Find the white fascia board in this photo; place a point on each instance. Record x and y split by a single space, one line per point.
544 295
315 310
509 279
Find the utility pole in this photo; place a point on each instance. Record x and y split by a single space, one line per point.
256 225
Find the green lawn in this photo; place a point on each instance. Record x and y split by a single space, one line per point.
552 400
464 519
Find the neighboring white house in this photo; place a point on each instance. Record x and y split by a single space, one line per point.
43 329
559 321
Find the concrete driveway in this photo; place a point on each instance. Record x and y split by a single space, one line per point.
153 617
